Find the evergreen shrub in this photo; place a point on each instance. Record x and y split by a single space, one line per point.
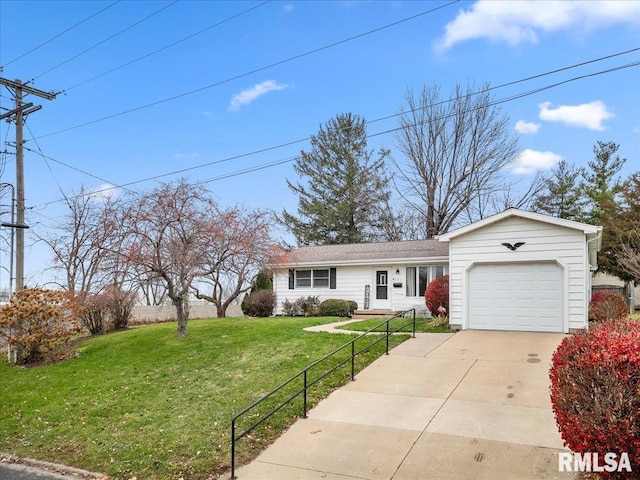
333 307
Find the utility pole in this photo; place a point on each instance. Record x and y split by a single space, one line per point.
18 114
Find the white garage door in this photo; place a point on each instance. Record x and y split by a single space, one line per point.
516 296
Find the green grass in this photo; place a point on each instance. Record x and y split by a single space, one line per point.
150 404
421 325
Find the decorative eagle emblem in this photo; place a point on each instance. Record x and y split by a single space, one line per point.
515 246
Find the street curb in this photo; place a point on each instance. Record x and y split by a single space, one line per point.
7 458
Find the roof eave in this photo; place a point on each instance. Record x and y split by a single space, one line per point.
360 262
514 212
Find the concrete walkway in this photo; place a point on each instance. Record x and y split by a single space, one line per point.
333 327
471 405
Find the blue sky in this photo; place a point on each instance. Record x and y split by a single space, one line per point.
171 89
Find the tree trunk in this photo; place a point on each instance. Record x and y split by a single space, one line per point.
182 311
221 309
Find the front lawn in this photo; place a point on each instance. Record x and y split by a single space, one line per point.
146 403
421 325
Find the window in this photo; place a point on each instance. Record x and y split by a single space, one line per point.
303 278
423 280
411 282
418 278
312 278
320 278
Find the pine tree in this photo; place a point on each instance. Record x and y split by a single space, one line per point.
562 197
600 183
602 189
344 188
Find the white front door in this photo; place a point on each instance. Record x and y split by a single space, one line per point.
381 298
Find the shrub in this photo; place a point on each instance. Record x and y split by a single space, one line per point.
606 305
337 308
260 303
437 294
438 322
595 381
119 304
263 281
303 306
37 323
93 314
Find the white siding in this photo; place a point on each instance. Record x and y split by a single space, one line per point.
544 242
350 285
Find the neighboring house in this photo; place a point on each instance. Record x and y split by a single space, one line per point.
542 285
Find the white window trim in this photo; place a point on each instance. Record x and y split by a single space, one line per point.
431 276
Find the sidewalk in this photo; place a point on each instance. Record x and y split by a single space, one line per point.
442 406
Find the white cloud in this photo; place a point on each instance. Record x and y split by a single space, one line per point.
530 161
104 191
518 22
179 156
527 127
247 96
587 115
288 7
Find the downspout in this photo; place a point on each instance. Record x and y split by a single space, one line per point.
591 269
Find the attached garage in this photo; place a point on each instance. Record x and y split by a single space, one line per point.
521 271
516 296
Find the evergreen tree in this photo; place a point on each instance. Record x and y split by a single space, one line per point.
344 190
562 196
600 184
602 190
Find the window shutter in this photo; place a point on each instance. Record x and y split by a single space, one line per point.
291 279
332 278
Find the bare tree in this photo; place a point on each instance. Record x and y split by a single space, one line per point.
151 289
84 240
235 255
454 152
629 258
168 231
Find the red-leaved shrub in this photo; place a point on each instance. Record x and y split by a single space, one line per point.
595 390
437 295
606 305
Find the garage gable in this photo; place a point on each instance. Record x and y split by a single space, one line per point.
521 271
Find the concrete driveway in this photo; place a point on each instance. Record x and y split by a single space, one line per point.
470 405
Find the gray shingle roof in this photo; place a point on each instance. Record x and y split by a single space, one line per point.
361 252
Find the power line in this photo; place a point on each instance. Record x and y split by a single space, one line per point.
385 132
84 172
387 117
245 74
166 47
60 34
106 39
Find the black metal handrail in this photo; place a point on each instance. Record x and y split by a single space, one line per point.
307 383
